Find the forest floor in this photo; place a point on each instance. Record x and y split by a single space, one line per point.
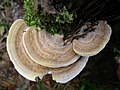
99 73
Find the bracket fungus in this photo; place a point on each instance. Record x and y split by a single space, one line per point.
63 75
93 41
23 40
37 53
23 64
48 50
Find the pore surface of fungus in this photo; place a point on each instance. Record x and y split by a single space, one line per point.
94 41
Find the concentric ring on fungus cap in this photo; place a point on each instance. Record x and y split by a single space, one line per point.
30 69
63 75
94 41
48 50
22 62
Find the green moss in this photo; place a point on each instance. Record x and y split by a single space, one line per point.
29 14
53 23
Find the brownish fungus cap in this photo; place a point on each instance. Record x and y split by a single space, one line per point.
30 69
48 50
23 64
93 42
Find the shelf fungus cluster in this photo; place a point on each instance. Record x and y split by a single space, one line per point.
37 53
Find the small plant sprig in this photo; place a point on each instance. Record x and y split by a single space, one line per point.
117 52
39 83
53 23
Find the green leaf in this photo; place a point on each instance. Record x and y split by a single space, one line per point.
39 85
